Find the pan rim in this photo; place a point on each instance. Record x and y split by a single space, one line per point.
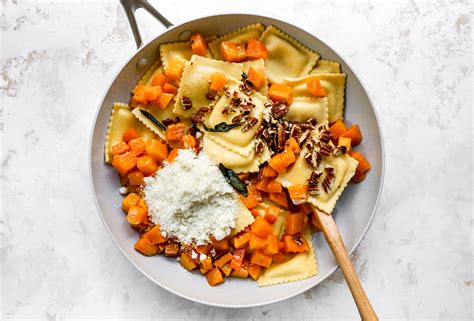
238 306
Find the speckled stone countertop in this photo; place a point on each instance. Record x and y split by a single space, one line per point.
58 261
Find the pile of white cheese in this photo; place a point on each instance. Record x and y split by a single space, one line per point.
191 200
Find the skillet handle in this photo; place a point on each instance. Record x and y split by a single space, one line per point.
130 6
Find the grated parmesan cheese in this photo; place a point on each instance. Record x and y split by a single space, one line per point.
191 200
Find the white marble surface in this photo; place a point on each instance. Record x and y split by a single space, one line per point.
58 261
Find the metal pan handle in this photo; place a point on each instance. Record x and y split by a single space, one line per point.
130 6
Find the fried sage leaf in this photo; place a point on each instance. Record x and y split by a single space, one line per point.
221 127
234 180
153 119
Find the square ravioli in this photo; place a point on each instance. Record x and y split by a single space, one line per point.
242 35
120 120
195 81
304 108
334 84
286 56
179 50
326 67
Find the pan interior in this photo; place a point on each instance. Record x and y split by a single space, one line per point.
353 213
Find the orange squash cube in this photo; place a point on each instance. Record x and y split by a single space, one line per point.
199 45
364 164
152 93
226 269
241 240
269 172
274 187
187 262
137 146
207 263
135 177
261 227
174 70
337 129
214 277
120 148
188 141
358 176
292 144
314 87
223 260
272 247
157 150
257 243
172 155
163 100
237 259
279 92
259 258
124 163
145 247
279 198
298 192
271 213
155 236
354 134
170 89
175 132
221 245
256 49
344 141
249 201
130 200
159 80
136 216
130 134
254 271
256 76
243 273
146 164
232 52
139 94
295 244
218 81
294 223
262 184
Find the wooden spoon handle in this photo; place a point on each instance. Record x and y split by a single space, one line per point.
331 233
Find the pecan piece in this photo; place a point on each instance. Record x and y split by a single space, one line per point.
279 110
281 137
169 121
237 119
186 102
325 149
197 118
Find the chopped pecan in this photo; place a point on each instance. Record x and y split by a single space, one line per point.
279 110
236 101
312 121
304 136
325 136
237 119
313 187
204 110
259 147
281 137
197 118
169 121
329 179
325 149
186 102
211 95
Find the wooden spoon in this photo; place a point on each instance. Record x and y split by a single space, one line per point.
329 229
